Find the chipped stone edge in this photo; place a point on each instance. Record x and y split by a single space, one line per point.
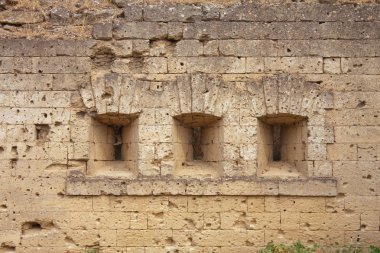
78 184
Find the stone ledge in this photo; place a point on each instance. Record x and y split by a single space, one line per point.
79 185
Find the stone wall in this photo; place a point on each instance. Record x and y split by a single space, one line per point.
143 127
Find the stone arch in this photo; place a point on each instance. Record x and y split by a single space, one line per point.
298 108
111 93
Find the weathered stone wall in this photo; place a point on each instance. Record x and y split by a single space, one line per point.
146 127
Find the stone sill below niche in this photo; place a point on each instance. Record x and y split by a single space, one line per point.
79 185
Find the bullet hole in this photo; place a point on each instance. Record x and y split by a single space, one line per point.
31 226
7 248
108 92
136 63
42 132
361 104
81 114
14 150
1 149
288 50
43 98
103 57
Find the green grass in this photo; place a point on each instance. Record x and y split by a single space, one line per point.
298 247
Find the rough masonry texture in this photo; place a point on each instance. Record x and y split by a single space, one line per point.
188 126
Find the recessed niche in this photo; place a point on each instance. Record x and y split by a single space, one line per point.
197 145
114 148
282 140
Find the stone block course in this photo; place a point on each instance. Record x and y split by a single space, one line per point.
138 126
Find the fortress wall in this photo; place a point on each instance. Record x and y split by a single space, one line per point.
196 91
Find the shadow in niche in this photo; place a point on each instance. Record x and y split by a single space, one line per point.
114 146
197 145
282 140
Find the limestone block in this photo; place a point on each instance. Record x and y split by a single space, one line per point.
140 47
316 151
254 65
320 134
182 221
213 204
175 30
270 86
323 169
180 12
344 30
129 100
294 204
294 64
26 82
166 187
248 48
133 249
69 81
147 169
350 172
20 17
357 134
102 31
57 64
228 237
326 187
143 237
139 221
140 65
211 48
211 220
133 12
331 65
361 65
323 221
198 187
215 65
343 48
177 65
362 203
18 133
240 249
369 220
139 30
188 48
122 48
99 220
367 152
184 89
151 134
41 99
177 203
355 100
290 221
335 205
364 237
16 64
250 221
366 117
294 47
255 204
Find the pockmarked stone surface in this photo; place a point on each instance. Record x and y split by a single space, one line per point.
188 125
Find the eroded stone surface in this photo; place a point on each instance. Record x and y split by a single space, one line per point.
85 80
